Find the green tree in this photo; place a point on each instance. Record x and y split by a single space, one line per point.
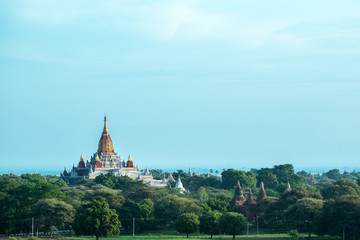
274 214
341 214
303 214
340 188
127 212
147 208
303 173
333 174
195 182
167 209
109 180
219 203
266 176
18 193
147 213
201 193
209 223
102 193
96 218
283 172
231 176
52 215
233 223
187 223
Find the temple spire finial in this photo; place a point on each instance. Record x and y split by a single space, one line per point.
105 124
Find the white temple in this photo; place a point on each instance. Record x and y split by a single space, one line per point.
180 186
106 160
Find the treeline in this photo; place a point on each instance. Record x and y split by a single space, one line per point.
323 204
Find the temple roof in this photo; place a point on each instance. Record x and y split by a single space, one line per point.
250 199
238 194
238 198
171 178
164 179
105 143
147 172
288 187
262 193
179 184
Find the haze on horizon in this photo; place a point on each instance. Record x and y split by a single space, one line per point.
183 83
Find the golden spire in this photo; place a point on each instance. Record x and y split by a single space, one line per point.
81 158
97 158
105 143
105 125
129 158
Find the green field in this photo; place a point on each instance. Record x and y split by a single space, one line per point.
281 236
253 237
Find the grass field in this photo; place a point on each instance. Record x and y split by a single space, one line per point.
170 233
191 237
272 236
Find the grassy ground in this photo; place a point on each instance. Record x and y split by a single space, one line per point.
274 236
170 233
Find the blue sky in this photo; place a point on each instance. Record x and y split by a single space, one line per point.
184 83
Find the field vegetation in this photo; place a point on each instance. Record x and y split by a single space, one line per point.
325 206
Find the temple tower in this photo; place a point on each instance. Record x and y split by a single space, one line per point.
262 193
105 143
238 198
81 162
129 162
288 187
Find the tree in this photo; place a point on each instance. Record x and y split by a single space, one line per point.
209 223
127 212
274 212
333 174
219 203
341 188
283 172
266 176
303 214
102 193
231 176
96 218
52 214
341 214
167 209
196 182
201 193
147 208
303 173
187 223
18 193
233 223
147 213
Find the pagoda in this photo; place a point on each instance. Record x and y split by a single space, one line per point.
106 160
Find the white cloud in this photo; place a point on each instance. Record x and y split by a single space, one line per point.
164 20
243 25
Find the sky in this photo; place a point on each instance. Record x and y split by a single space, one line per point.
201 83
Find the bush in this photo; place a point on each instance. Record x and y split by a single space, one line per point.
294 234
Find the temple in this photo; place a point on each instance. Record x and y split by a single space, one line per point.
106 160
247 206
